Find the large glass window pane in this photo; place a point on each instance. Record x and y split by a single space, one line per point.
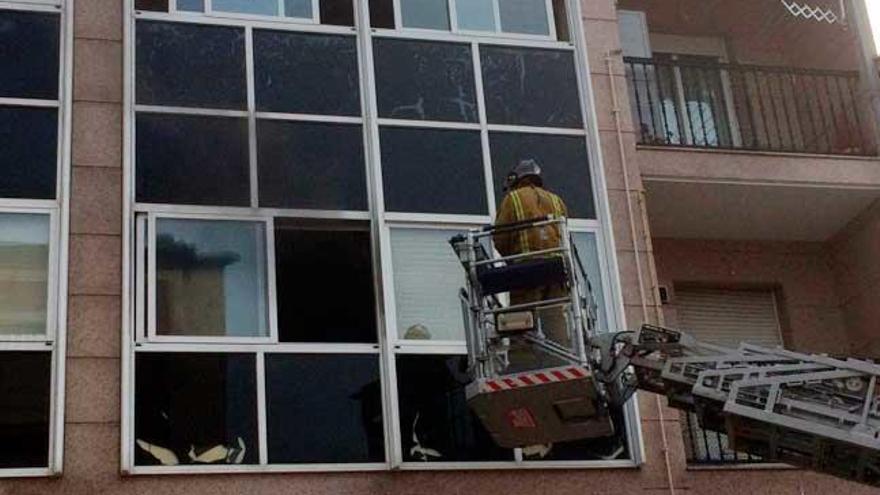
325 282
29 54
28 152
425 80
25 382
524 16
588 249
435 421
563 160
475 15
425 14
527 86
24 273
324 409
195 409
306 73
211 278
427 279
433 171
192 160
312 166
257 7
182 64
298 8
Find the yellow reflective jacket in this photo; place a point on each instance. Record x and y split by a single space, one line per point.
524 203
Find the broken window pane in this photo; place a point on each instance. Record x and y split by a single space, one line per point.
24 273
28 152
435 421
425 14
182 64
382 14
337 12
29 48
524 16
313 262
527 86
311 165
433 171
425 80
563 160
306 73
195 408
211 278
335 419
186 159
25 381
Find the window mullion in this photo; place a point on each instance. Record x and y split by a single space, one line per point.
262 431
252 119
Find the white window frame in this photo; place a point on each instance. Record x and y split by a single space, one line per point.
388 346
147 309
54 341
278 17
498 32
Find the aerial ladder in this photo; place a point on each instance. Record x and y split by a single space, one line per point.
813 411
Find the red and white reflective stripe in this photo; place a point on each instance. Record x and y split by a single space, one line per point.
534 378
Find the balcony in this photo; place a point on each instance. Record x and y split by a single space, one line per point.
687 101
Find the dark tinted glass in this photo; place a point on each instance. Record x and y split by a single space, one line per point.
425 80
315 263
308 165
433 171
306 73
159 5
434 415
338 12
28 152
195 405
382 14
29 54
324 409
24 409
530 87
182 64
192 160
564 163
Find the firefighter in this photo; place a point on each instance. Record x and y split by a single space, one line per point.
526 199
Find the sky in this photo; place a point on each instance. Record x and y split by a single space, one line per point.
874 15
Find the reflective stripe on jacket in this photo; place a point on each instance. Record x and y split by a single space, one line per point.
525 203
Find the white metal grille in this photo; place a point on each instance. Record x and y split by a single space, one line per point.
816 13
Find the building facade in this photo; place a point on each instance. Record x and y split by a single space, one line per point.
223 229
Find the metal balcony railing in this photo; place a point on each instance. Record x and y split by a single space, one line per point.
682 102
710 448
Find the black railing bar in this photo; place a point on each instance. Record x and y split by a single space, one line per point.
851 113
650 102
813 136
760 99
749 108
638 103
718 113
662 102
745 67
679 122
702 116
797 133
791 125
853 95
771 113
757 149
826 128
834 115
801 122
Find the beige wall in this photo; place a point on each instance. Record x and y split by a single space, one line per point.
755 31
93 364
800 273
855 254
